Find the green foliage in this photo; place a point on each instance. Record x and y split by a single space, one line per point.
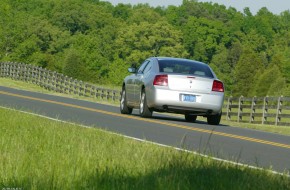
139 41
106 39
246 72
202 37
270 82
118 70
73 66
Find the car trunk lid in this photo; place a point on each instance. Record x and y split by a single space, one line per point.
190 83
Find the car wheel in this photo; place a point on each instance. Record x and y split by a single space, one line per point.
144 110
190 118
214 119
123 103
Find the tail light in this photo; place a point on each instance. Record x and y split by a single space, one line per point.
217 86
160 80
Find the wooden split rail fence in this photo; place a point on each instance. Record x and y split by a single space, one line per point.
54 81
258 110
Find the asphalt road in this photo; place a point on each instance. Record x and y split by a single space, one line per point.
251 147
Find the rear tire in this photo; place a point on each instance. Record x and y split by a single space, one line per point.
190 118
214 119
144 110
123 103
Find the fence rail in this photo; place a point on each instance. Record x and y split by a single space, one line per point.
54 81
258 110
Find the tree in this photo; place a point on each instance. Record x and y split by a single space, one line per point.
94 40
144 13
270 82
202 38
73 66
117 72
222 68
123 11
12 25
139 41
246 72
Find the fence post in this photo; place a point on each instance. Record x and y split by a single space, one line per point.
57 82
85 86
66 83
13 71
6 70
1 69
47 78
93 91
9 70
279 110
253 109
103 93
71 85
38 75
29 73
33 75
240 111
41 76
265 110
229 107
80 83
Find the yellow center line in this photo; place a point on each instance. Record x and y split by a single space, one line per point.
154 121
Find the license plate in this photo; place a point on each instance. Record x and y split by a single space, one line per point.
188 98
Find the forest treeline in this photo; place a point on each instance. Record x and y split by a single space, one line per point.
96 42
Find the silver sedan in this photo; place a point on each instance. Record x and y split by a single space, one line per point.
173 85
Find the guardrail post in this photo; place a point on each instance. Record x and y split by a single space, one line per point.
240 111
279 110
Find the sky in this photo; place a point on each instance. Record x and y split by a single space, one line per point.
275 6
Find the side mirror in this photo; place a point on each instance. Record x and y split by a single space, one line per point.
132 70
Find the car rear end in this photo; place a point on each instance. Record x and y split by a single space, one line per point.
185 86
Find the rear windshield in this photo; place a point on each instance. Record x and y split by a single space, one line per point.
185 67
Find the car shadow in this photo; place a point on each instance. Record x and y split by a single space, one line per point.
176 118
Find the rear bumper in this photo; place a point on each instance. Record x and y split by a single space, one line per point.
168 100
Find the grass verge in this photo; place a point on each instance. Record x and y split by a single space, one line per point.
35 88
32 87
38 153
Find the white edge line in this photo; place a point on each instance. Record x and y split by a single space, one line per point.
154 143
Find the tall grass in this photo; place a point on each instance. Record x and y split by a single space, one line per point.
38 153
